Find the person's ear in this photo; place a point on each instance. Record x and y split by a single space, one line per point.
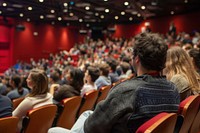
137 59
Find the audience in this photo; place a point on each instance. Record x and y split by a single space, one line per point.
38 83
65 91
179 69
74 78
127 102
136 100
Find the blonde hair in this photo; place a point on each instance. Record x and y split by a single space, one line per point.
179 62
40 82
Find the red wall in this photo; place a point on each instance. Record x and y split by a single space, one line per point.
50 39
185 22
6 39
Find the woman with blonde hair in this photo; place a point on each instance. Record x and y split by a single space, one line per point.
37 81
180 70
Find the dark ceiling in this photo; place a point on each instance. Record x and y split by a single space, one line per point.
90 12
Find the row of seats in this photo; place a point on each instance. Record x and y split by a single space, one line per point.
71 110
40 119
78 105
185 121
37 120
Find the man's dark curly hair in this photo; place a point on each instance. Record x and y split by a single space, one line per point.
152 51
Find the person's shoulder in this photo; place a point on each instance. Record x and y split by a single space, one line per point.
26 91
12 93
179 77
5 98
128 85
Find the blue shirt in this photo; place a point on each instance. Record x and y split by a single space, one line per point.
15 94
5 106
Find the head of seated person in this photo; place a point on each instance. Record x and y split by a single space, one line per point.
64 91
75 78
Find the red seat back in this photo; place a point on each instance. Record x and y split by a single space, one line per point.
8 124
67 117
40 119
161 123
188 108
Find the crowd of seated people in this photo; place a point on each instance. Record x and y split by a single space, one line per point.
92 65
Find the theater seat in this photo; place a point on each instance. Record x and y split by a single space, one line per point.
16 102
88 101
8 124
68 114
161 123
40 119
195 128
103 92
188 108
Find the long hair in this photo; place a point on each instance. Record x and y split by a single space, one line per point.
40 82
179 62
77 76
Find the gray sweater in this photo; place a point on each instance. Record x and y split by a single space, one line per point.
143 95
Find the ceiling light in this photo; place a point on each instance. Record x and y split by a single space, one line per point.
147 23
21 14
126 3
122 13
4 4
87 8
185 1
105 0
65 10
96 14
130 18
59 18
116 17
35 33
41 17
143 7
139 15
102 16
87 25
28 19
30 8
52 22
71 14
41 0
172 12
0 12
106 10
65 4
52 11
80 20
